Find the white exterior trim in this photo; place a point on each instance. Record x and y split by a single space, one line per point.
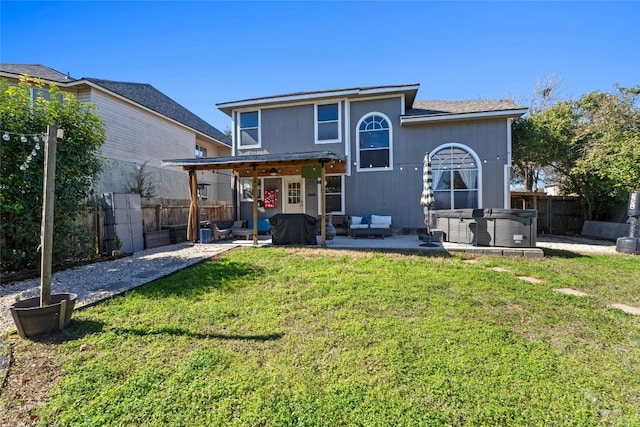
315 123
460 116
342 196
475 157
316 95
357 129
347 134
507 168
238 134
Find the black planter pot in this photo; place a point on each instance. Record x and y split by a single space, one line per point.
32 320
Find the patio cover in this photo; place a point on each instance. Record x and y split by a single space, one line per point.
257 165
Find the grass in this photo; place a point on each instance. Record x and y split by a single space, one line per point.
310 337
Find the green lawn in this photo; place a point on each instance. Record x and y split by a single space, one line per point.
320 337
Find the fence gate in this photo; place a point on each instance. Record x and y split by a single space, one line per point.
123 217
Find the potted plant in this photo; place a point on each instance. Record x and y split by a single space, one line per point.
43 314
117 244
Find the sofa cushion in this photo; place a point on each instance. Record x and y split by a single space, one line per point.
365 219
381 221
356 220
359 226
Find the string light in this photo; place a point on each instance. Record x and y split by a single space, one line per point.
24 137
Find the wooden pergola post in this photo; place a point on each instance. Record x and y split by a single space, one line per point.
46 230
255 205
323 216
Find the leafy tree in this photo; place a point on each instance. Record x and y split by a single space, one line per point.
77 167
592 145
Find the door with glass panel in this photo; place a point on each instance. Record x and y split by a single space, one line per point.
294 195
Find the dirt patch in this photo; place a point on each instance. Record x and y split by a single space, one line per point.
34 371
530 279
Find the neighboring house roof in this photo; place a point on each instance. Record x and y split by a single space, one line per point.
150 97
36 70
409 91
141 93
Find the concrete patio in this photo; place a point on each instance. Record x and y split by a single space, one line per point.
405 242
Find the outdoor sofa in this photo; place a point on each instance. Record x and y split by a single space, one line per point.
370 226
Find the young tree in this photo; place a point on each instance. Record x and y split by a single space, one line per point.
78 166
141 182
530 157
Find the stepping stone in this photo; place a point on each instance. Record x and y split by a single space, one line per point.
501 269
627 308
570 291
530 279
471 261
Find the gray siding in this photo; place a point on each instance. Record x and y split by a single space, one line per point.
291 129
395 191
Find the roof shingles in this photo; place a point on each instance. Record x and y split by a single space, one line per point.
423 108
141 93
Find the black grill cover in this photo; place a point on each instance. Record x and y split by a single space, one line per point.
293 229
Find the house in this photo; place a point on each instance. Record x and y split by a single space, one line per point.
360 151
143 126
384 133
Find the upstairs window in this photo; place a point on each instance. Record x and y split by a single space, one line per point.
374 142
200 152
328 127
249 129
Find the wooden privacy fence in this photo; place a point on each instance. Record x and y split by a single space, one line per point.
556 214
157 214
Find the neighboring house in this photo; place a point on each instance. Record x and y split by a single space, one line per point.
143 126
384 133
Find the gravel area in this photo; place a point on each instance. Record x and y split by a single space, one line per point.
101 280
577 244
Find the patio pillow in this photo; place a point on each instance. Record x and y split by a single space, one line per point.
381 221
356 220
365 219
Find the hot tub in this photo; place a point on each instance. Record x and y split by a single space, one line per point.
510 228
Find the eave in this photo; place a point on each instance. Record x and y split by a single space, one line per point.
425 118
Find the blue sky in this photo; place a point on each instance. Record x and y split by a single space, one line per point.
206 52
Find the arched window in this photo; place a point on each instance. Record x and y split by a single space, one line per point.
374 142
455 170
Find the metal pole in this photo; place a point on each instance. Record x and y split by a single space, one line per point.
46 230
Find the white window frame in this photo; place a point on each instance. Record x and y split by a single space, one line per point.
338 122
476 159
249 181
342 197
200 152
372 169
240 129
